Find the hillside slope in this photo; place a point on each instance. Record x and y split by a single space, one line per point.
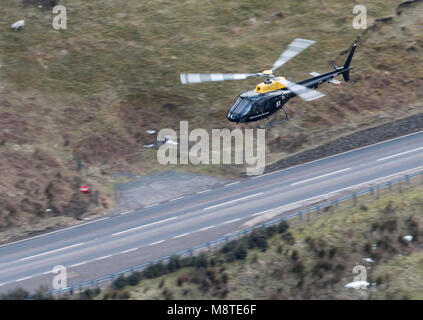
312 259
91 91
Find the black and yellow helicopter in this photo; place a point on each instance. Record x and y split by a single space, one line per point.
272 94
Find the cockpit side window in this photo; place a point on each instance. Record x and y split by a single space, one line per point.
241 106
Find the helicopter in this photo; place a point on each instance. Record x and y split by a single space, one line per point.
274 92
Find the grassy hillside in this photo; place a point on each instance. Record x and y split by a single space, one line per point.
312 259
92 90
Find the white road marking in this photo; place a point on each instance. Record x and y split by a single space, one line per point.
203 191
126 212
104 257
23 279
176 199
48 272
230 221
181 235
157 242
336 191
143 226
46 234
338 154
399 154
57 250
152 205
230 184
322 176
78 264
232 201
130 250
262 212
206 228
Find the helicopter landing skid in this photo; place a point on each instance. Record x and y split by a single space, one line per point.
272 124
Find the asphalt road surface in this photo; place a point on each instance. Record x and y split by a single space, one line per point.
113 243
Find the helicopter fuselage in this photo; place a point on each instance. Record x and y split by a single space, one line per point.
253 106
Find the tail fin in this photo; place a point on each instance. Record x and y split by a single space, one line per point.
346 73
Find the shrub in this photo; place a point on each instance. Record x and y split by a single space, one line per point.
332 252
363 207
180 281
279 249
174 263
16 294
228 247
257 239
187 261
289 238
134 278
125 295
283 227
240 252
271 230
225 278
413 227
155 270
161 283
120 282
88 294
201 261
43 293
298 267
168 295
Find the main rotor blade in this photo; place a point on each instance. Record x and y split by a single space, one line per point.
295 47
208 77
302 91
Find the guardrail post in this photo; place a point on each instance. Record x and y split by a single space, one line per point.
400 186
390 185
300 216
407 179
355 199
336 203
372 191
318 209
208 246
190 252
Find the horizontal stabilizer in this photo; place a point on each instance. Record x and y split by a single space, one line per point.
314 74
332 80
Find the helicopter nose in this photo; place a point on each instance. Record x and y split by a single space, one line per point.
233 118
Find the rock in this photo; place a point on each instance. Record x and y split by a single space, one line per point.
408 238
253 20
18 25
357 285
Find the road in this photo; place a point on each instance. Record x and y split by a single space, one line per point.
117 242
